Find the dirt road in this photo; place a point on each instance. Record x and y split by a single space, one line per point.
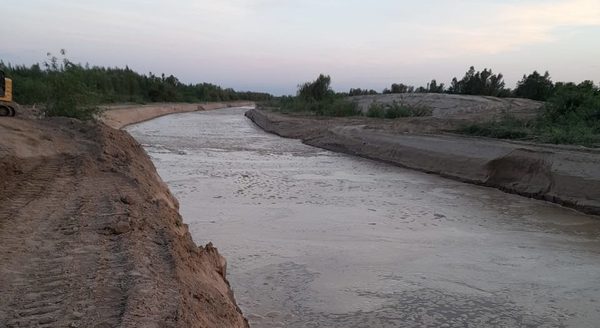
90 236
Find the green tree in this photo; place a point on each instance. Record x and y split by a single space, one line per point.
535 86
433 87
484 83
401 88
317 90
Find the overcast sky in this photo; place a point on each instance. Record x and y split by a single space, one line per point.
273 45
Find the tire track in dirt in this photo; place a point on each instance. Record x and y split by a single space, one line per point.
90 237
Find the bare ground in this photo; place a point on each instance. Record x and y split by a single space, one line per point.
90 236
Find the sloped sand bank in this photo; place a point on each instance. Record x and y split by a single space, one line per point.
90 236
565 175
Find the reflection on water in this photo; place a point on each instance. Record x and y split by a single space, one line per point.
319 239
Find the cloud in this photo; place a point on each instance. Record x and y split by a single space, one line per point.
510 27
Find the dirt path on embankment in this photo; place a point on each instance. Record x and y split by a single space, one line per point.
90 236
562 174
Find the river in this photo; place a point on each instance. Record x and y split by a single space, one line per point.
315 238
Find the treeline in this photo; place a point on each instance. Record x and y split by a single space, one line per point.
484 83
34 85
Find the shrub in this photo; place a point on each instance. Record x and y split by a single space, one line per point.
331 106
337 106
376 110
396 110
508 127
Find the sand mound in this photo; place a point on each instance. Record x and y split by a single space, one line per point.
91 237
522 169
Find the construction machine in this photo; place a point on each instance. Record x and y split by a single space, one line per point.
7 105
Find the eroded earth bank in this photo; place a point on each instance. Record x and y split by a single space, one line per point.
90 236
566 175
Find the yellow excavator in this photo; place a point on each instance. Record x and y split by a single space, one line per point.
7 105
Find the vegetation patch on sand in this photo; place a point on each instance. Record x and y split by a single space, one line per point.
315 98
396 110
570 116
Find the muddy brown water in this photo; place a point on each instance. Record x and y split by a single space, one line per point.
319 239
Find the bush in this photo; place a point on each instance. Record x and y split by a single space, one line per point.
396 110
331 106
337 106
506 128
376 110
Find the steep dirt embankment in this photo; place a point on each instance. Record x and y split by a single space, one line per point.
564 175
122 115
90 236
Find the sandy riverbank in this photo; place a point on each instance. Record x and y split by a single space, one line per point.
90 236
565 175
119 116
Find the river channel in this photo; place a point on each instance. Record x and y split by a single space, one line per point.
315 238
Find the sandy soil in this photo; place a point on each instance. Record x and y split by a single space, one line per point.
90 236
562 174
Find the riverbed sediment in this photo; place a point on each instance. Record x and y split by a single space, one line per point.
565 175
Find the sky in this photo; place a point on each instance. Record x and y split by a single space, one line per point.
274 45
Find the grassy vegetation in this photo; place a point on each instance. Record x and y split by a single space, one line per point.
571 116
333 105
315 98
396 110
